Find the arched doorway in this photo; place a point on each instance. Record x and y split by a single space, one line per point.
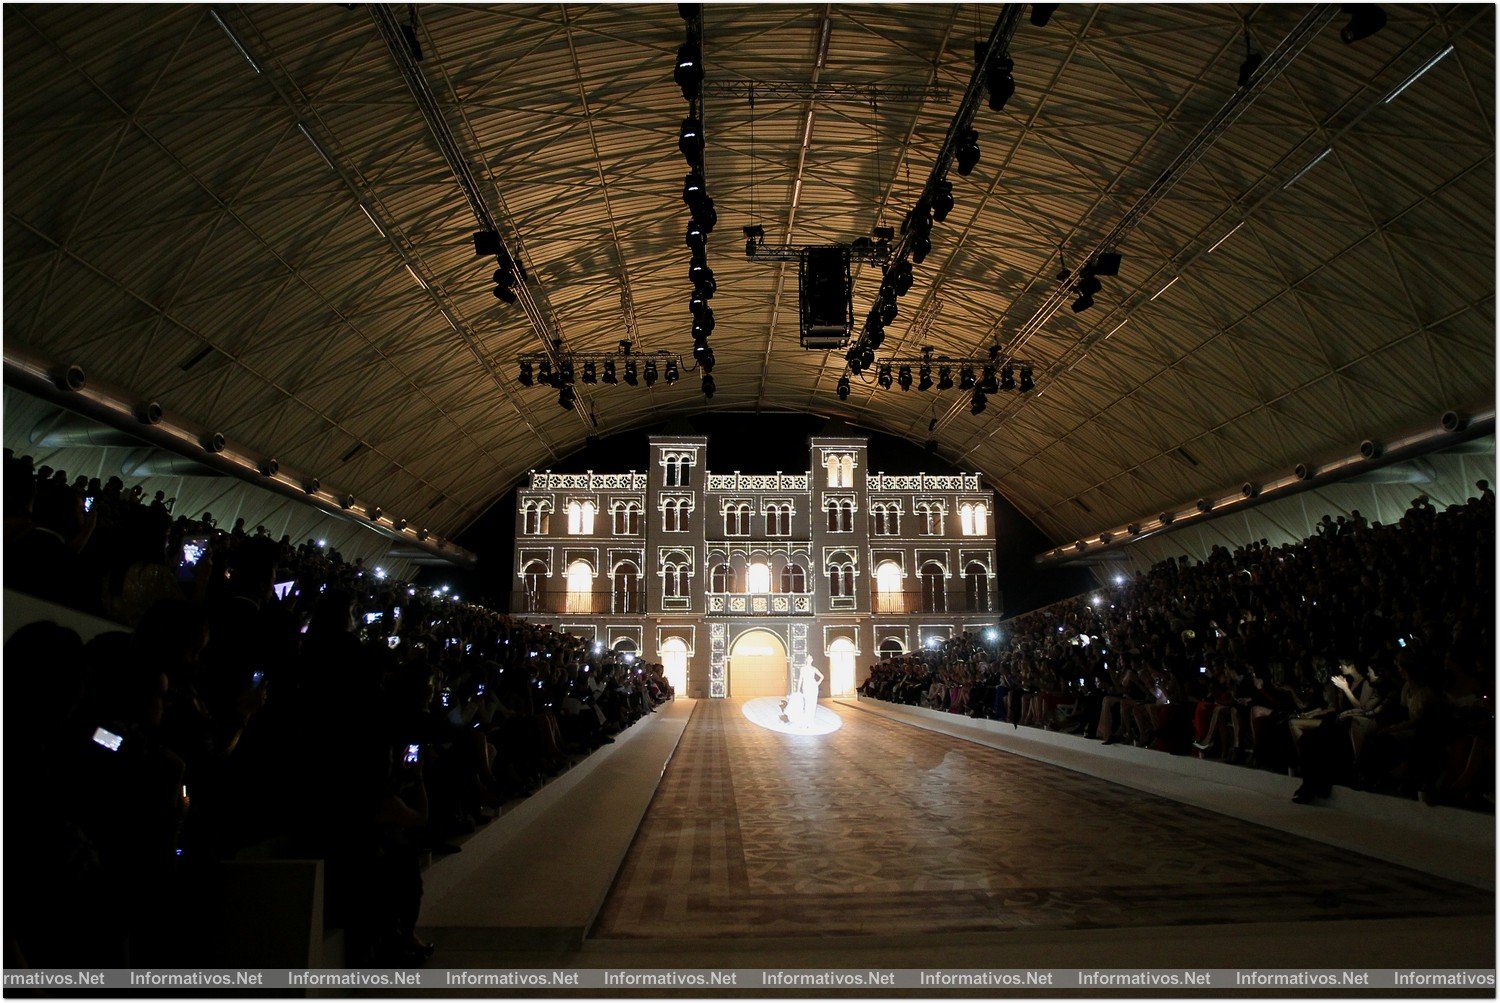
674 657
841 667
758 579
758 665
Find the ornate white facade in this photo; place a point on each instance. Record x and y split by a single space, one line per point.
679 564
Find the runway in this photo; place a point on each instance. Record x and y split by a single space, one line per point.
880 829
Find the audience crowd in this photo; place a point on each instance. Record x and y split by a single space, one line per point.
273 701
1362 656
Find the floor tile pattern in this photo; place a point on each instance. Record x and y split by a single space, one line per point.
881 828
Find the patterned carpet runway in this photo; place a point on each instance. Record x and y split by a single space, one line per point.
885 829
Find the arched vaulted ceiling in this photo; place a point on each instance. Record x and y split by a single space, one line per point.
296 219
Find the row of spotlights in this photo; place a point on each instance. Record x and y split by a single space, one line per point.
688 74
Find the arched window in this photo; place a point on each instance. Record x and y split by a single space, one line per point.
675 582
840 516
737 520
977 588
531 585
929 518
888 598
627 518
793 578
581 518
758 579
974 518
535 518
627 648
841 581
778 520
626 588
891 646
674 513
722 579
580 587
835 476
885 520
846 470
934 599
678 465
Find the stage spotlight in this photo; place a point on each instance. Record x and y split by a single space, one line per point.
903 377
1008 378
1365 19
565 371
566 397
704 323
1088 285
921 246
544 372
988 384
706 215
874 338
942 202
589 373
690 141
924 379
689 71
708 386
703 281
979 402
697 304
609 371
696 239
901 278
852 358
704 356
671 372
650 373
968 152
945 378
966 378
887 311
1026 384
1041 13
526 378
693 191
1252 63
1001 82
843 389
1108 264
866 357
884 379
688 11
630 375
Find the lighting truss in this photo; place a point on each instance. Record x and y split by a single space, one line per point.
979 366
863 249
573 362
823 90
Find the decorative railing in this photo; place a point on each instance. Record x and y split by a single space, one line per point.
548 481
922 482
793 544
772 604
759 482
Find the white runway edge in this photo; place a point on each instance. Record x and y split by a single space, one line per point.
766 712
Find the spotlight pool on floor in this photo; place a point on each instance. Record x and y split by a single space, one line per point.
766 712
